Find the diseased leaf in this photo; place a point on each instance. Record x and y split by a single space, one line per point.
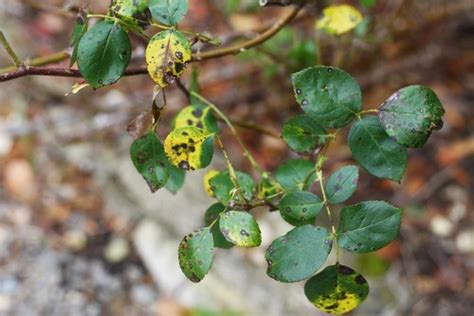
300 207
411 114
342 184
195 254
303 134
224 189
80 28
328 94
211 217
189 148
133 12
197 116
176 179
150 161
103 54
368 226
339 19
240 228
293 173
375 151
168 11
298 254
207 182
337 289
167 55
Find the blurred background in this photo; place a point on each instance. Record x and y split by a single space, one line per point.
81 234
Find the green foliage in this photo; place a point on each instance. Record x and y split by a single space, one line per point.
342 184
410 115
330 98
375 151
103 54
240 228
298 254
329 94
303 134
195 254
294 173
300 207
368 226
150 161
169 12
337 289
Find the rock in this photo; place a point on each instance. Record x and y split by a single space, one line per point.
117 250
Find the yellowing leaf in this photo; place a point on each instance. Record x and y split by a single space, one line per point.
189 148
339 19
207 185
167 55
196 116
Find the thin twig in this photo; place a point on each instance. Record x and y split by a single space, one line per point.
10 51
255 127
216 53
40 61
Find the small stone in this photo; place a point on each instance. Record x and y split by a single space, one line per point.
441 226
117 250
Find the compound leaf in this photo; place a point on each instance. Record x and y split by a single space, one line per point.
368 226
337 289
375 151
195 254
103 54
189 148
149 159
167 55
240 228
298 254
342 184
328 94
300 207
411 114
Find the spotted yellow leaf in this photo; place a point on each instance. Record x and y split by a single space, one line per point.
207 185
339 19
132 12
197 116
189 148
167 55
337 289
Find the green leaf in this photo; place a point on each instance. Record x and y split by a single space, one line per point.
368 3
375 151
368 226
212 214
103 54
298 254
240 228
80 28
176 179
303 134
189 148
223 187
168 11
329 94
342 184
150 161
195 254
197 116
337 289
300 207
267 188
167 54
293 173
411 114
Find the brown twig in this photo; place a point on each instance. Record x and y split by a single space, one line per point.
231 50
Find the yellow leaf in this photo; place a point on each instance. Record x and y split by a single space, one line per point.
196 116
167 55
339 19
207 184
189 148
